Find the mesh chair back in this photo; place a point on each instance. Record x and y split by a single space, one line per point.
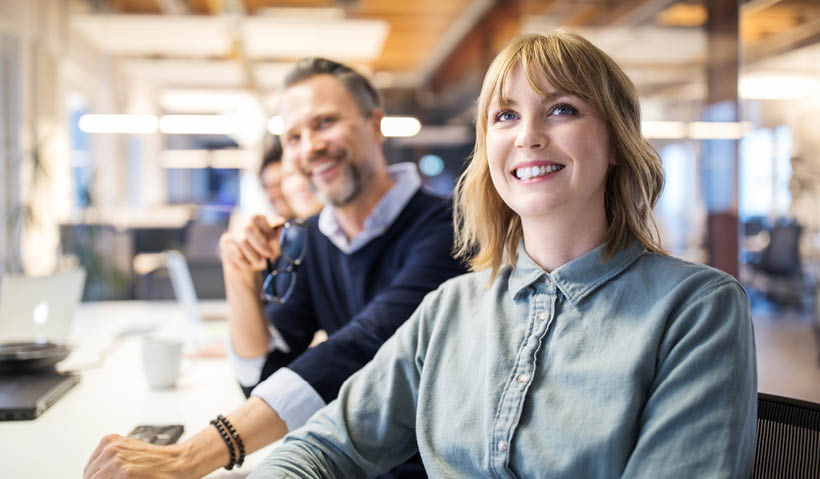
782 256
788 438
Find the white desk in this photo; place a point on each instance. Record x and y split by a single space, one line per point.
114 397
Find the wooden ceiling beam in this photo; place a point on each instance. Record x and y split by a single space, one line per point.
383 8
173 7
135 6
473 54
632 13
450 91
800 36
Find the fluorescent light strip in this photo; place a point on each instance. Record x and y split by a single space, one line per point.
197 124
127 124
391 126
696 130
663 129
718 130
776 87
400 126
276 126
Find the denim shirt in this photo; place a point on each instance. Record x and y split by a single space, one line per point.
642 366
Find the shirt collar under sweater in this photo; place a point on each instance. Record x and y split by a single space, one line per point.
407 183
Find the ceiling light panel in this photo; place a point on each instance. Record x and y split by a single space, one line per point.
203 101
188 73
288 37
143 35
270 75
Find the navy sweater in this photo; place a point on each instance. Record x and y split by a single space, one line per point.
361 299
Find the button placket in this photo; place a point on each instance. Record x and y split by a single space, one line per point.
523 373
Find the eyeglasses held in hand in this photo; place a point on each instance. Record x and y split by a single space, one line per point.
281 274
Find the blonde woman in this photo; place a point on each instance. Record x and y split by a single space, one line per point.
576 348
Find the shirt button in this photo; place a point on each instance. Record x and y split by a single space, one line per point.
549 281
502 446
542 315
523 378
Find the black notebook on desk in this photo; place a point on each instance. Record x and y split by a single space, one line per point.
26 396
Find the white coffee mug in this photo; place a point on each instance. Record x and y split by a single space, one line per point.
161 359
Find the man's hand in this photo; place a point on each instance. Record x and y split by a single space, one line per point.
246 251
123 457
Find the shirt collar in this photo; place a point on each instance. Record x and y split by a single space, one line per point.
579 277
407 183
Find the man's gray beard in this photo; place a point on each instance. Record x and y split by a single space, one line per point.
355 179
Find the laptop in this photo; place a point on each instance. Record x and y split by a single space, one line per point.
37 310
203 330
199 339
26 396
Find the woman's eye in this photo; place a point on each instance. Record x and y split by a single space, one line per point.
505 116
563 109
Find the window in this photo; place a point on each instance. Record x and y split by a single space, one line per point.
9 154
765 172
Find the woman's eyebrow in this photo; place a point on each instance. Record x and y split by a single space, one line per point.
552 96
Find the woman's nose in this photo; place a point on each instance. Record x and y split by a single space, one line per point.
531 136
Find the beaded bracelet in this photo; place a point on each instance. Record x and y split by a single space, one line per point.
237 440
227 439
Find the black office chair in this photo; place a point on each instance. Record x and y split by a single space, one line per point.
788 438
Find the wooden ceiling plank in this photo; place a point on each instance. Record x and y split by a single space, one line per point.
252 6
414 23
135 6
396 7
634 12
800 36
537 7
199 7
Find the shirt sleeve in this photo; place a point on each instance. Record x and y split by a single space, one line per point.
428 264
293 399
248 371
700 417
370 427
292 326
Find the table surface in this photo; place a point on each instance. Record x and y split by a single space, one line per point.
113 396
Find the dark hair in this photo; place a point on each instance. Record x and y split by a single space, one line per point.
273 155
363 93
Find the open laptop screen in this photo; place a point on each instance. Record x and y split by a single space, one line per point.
39 308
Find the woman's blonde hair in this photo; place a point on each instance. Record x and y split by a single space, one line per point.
485 227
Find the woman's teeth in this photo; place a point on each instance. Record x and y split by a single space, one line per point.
527 172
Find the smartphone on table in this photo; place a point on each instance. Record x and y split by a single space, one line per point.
161 435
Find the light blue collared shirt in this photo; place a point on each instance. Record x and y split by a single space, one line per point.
293 398
642 366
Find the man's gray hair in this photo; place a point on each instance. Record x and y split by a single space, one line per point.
362 91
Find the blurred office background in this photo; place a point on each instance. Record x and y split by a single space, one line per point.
730 93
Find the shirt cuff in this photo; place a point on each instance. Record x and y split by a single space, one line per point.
293 398
248 371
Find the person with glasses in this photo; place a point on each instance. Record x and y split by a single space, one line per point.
577 348
357 270
287 191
